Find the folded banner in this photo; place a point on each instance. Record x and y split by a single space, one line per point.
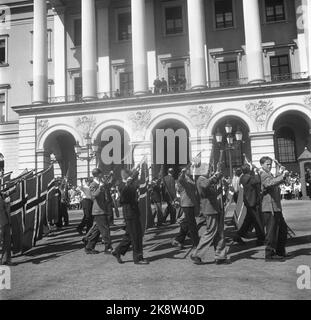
4 180
240 210
144 199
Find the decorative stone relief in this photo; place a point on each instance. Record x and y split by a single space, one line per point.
307 100
42 125
85 124
200 116
259 111
139 122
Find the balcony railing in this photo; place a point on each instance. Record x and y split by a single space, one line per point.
232 83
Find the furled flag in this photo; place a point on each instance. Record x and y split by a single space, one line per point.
4 180
144 199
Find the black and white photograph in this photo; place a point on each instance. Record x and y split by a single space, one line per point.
155 153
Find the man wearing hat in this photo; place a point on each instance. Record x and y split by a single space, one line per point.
100 214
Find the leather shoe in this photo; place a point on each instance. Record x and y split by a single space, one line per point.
275 258
177 244
108 250
222 261
118 256
196 259
142 261
91 251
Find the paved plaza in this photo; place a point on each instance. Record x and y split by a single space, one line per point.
58 268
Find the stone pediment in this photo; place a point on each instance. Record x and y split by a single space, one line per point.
306 155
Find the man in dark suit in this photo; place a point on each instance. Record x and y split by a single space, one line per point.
251 196
133 229
5 227
276 227
169 191
100 213
189 203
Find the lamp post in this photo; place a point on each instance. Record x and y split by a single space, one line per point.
91 149
229 144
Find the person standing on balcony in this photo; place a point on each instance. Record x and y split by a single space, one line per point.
163 86
157 85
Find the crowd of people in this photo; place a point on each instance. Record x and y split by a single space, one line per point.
196 204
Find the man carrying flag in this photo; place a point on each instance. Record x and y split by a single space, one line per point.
5 227
133 229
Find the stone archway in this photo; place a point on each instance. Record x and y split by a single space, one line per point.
291 137
114 151
170 146
61 143
239 148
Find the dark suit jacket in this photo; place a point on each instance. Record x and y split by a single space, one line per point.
271 196
169 188
252 187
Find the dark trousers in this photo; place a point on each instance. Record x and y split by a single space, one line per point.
188 226
87 220
156 208
100 227
133 236
276 233
63 214
5 234
252 219
170 211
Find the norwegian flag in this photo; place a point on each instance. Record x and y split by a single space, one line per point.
4 180
18 209
36 215
144 199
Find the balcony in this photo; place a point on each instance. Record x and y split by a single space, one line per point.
181 88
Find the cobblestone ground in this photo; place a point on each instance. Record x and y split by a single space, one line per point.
58 268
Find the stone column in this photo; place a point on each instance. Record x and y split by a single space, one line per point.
253 42
89 68
197 42
151 43
59 53
104 71
40 53
139 47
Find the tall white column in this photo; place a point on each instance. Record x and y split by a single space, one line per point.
89 72
307 15
40 53
59 53
150 43
104 73
139 47
253 41
197 42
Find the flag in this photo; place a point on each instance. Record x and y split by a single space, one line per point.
144 199
35 210
4 180
18 208
51 206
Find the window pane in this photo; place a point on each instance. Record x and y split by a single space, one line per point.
286 145
125 26
173 18
2 51
275 10
284 60
77 32
2 108
78 86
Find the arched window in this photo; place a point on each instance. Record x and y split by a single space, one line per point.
285 144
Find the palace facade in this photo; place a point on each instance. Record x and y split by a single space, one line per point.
78 70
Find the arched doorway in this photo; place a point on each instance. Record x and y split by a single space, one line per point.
292 135
61 143
239 148
171 149
114 151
